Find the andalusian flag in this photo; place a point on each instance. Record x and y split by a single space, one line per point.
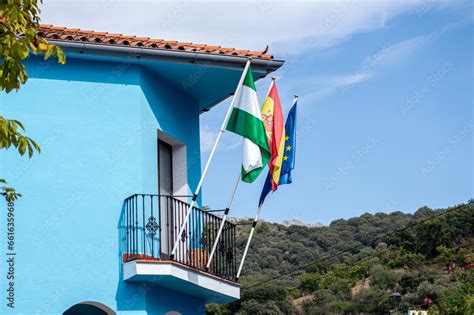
246 120
273 119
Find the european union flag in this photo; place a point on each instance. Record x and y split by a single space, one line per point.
288 163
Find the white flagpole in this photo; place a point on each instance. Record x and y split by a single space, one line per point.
221 227
211 155
254 224
229 203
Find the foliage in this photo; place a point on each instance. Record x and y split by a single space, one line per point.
260 308
19 22
261 295
217 309
10 136
309 282
262 227
461 301
402 258
360 281
444 230
293 292
382 278
372 301
446 255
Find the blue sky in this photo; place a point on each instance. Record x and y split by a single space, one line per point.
386 96
385 123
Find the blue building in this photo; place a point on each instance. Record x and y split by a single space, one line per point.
118 125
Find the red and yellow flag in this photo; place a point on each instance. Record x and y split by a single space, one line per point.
272 116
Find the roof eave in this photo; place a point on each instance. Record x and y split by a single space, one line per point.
140 53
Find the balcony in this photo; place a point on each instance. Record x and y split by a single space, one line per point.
150 226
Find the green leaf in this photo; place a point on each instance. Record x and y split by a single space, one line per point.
23 50
18 123
30 150
49 52
35 145
22 146
61 56
34 49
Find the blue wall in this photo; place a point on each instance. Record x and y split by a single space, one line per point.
96 123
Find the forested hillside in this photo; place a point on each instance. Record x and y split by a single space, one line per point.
361 265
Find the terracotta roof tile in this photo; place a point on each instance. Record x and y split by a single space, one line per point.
78 35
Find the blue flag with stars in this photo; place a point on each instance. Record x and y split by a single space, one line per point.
288 163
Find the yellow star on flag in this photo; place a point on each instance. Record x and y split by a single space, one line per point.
287 138
288 148
285 158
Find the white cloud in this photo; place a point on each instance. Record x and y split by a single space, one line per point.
208 138
324 86
340 81
287 26
393 53
388 56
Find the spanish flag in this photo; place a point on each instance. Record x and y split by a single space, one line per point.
273 121
288 164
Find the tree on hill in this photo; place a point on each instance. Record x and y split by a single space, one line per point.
361 280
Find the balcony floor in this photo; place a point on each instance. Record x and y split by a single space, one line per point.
179 277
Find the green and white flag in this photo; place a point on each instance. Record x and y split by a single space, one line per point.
246 120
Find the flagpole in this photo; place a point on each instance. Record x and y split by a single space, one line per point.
295 98
224 218
254 224
229 203
270 88
211 155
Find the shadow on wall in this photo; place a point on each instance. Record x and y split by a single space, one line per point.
129 295
172 107
161 300
148 295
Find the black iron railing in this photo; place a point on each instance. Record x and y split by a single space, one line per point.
152 222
